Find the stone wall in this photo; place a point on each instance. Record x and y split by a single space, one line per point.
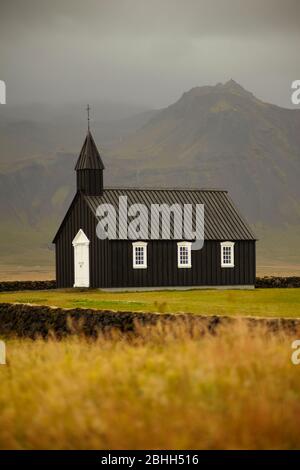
273 282
30 321
26 285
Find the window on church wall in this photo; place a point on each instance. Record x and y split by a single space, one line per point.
227 254
184 255
139 255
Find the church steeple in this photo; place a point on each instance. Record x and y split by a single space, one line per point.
89 167
89 157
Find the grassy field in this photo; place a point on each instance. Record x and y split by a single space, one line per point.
161 390
259 302
164 388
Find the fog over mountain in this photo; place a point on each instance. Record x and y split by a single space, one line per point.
146 52
213 136
223 136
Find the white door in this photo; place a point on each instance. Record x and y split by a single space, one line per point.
81 260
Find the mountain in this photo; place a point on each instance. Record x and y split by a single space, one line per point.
213 136
39 132
224 137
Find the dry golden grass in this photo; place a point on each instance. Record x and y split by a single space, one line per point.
164 389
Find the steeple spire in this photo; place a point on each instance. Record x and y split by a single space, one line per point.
89 166
89 158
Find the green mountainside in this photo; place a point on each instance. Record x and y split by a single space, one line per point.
213 136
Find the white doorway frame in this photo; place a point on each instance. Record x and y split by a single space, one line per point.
81 259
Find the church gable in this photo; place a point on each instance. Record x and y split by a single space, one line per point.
77 213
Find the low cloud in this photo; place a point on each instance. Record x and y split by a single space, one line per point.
148 52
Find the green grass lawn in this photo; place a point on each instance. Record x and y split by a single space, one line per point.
259 302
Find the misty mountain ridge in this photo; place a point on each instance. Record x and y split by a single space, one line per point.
213 136
223 136
40 132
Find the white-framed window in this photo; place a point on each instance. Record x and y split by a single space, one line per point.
227 254
184 254
139 255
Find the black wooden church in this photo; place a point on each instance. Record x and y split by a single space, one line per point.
227 258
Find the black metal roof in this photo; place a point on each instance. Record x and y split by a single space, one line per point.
89 158
222 219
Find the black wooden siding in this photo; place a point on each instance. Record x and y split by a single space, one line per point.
90 181
111 262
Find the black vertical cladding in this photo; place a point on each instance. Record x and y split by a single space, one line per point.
90 182
162 267
79 217
111 262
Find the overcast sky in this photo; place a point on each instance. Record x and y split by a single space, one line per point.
146 51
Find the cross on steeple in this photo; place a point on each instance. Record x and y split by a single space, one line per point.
88 108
